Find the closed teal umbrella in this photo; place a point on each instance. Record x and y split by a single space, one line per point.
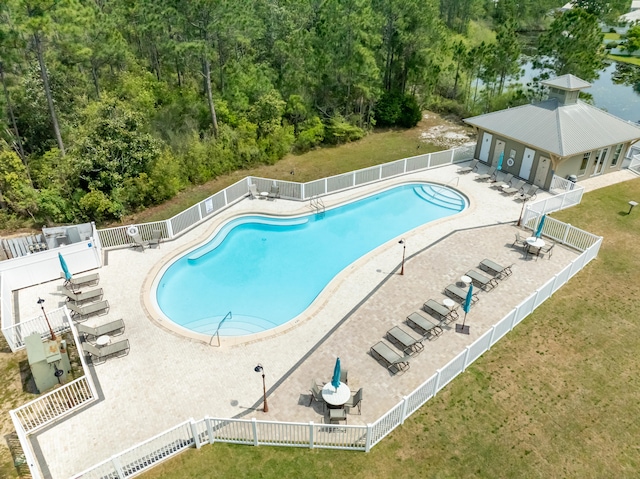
461 328
65 269
335 381
499 167
540 225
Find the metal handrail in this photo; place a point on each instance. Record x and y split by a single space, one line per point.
217 333
457 178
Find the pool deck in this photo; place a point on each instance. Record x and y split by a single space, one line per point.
168 378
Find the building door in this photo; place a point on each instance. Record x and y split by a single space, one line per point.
527 162
484 149
497 152
598 164
542 171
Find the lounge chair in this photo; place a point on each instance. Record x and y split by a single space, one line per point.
499 271
424 325
138 242
113 328
99 354
486 175
337 415
77 281
459 295
80 313
274 192
408 344
387 356
253 192
515 187
528 195
547 250
481 281
505 183
440 312
156 237
355 401
468 169
316 394
78 297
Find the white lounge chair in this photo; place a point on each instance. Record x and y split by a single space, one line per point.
113 328
468 169
99 354
392 360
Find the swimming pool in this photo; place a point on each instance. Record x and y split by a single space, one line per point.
265 270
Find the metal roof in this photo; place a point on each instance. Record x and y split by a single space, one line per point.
564 130
567 82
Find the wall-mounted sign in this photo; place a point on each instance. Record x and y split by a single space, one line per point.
510 162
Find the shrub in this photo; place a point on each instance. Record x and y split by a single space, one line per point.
395 108
311 134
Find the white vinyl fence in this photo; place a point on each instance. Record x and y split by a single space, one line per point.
635 164
360 438
55 404
15 333
182 222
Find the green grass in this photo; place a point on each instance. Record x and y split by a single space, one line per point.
625 59
612 36
379 147
557 397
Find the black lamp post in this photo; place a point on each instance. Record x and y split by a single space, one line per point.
404 250
260 369
41 302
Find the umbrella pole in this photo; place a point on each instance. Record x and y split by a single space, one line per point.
461 328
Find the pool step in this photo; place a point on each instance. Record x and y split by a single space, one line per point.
237 325
441 196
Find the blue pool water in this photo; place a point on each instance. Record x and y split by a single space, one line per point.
267 270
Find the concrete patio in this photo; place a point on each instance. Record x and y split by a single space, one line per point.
168 377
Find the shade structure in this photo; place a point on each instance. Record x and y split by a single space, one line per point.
335 380
499 167
65 269
466 306
540 225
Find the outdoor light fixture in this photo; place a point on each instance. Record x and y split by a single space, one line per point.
41 302
631 205
260 369
404 250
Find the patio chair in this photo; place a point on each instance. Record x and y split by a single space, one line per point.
387 356
138 242
316 395
440 312
506 181
407 343
113 328
78 297
547 250
344 373
459 295
337 415
77 281
528 195
274 192
81 313
520 241
481 281
156 237
253 191
355 401
99 354
499 271
424 325
473 166
515 187
486 175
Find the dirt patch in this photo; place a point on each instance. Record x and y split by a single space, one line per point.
445 132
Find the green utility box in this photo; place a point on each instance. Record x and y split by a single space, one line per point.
48 360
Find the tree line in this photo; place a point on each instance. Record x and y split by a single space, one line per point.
109 106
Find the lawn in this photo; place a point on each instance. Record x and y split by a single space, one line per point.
557 397
625 59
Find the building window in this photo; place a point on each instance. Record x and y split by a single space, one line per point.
616 155
585 162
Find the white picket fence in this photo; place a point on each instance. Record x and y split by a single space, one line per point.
59 402
360 438
182 222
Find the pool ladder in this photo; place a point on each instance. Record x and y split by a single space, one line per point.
317 204
217 333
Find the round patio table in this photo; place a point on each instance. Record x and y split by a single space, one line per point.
103 340
336 397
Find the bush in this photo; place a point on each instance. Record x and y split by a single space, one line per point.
339 131
311 134
399 109
410 112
